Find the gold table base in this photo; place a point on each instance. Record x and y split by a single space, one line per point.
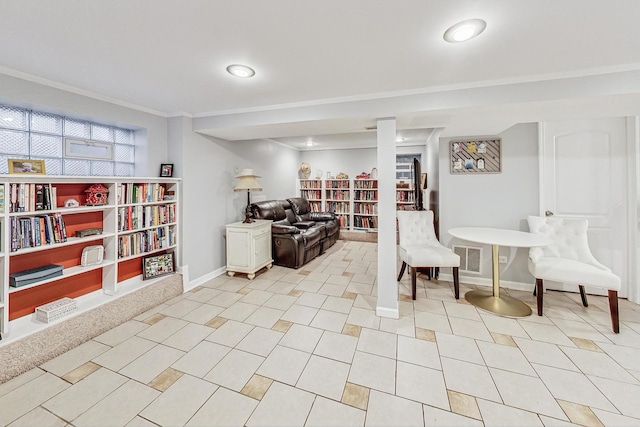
503 305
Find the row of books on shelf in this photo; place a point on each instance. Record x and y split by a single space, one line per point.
365 195
29 197
343 220
365 222
338 194
315 206
141 193
29 232
136 217
338 207
404 196
372 184
366 208
310 184
343 183
311 194
146 241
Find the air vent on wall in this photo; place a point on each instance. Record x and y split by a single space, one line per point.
470 258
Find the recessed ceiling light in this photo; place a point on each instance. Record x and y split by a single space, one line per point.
399 139
309 143
465 30
241 71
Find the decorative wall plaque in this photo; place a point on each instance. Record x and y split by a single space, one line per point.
475 156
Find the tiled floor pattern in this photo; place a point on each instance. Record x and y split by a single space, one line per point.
304 347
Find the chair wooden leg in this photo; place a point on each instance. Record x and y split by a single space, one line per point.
404 265
583 295
428 273
456 283
613 308
534 290
540 292
413 281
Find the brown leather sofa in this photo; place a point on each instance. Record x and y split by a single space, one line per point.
297 234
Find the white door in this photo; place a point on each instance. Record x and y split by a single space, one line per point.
584 175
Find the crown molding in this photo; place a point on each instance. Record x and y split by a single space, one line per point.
78 91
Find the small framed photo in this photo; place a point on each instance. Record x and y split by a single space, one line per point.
27 166
158 265
166 170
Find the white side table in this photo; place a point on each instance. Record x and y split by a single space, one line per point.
248 247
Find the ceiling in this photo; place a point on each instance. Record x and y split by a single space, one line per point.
346 62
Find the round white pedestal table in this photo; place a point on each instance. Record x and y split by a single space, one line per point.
496 237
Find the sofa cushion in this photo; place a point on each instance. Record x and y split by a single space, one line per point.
322 216
311 237
299 205
301 208
269 209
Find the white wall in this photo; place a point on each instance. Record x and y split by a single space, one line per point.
500 200
151 140
352 162
209 202
277 165
205 164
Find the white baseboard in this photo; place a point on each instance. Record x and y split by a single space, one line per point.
184 270
484 281
388 312
203 279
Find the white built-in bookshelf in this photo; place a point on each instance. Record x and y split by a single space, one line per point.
39 218
354 201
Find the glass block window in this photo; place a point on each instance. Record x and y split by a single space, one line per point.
77 128
26 134
46 123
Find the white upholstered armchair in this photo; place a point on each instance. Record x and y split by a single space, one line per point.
419 247
569 260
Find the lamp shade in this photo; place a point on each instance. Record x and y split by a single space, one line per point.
247 181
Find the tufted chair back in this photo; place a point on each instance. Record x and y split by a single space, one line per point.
569 260
569 239
419 247
416 228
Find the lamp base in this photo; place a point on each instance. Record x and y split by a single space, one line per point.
248 217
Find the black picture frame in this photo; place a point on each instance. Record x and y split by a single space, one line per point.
158 265
166 170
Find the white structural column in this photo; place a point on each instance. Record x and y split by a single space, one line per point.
387 305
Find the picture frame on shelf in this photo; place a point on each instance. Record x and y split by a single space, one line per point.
26 166
423 181
92 255
166 170
158 265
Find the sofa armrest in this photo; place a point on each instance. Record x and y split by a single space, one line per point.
284 229
322 216
304 225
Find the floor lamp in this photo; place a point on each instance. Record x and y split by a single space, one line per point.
248 183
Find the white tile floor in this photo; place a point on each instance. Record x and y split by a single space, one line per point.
304 347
